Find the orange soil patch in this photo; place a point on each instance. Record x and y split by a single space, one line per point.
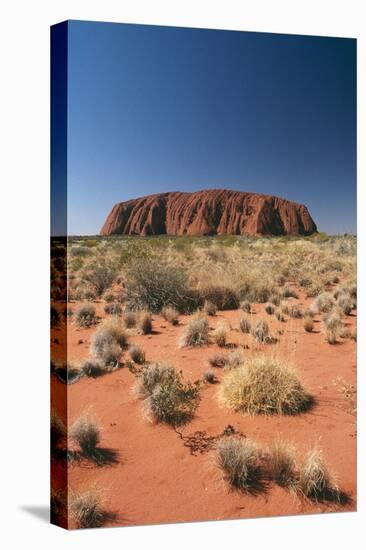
164 475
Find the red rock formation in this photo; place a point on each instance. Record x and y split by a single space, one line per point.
211 212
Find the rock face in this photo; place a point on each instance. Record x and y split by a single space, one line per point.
209 212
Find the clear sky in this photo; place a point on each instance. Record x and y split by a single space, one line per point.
155 109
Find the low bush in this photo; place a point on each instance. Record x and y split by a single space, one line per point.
270 309
345 303
196 333
85 315
235 359
239 461
85 431
315 480
245 306
152 286
279 315
295 311
130 319
220 335
209 376
245 324
308 323
209 308
167 398
281 465
108 342
323 303
58 431
113 308
218 360
170 314
137 354
264 385
87 511
260 331
224 298
145 322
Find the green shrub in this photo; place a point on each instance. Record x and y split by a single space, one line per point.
167 398
152 286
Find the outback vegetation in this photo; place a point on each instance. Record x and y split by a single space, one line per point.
172 338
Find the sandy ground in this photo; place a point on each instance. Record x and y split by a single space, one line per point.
164 475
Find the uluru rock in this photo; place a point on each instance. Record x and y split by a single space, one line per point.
209 212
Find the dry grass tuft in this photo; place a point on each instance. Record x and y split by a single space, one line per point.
245 324
308 323
87 510
145 322
137 354
245 306
130 319
85 431
264 385
316 482
281 465
85 315
218 360
210 308
196 333
239 460
260 331
220 334
170 314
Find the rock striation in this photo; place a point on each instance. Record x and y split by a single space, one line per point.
209 212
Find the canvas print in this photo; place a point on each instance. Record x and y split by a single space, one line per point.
203 274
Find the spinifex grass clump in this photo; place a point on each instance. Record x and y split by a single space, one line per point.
239 460
333 326
218 360
209 308
270 309
170 314
196 332
87 511
145 322
220 335
245 306
245 324
85 315
264 385
113 308
316 482
260 331
345 303
167 398
308 323
281 465
85 431
130 319
209 376
58 431
323 303
137 354
108 342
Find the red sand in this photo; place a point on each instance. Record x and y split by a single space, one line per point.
158 480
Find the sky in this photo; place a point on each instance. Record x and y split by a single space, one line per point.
154 109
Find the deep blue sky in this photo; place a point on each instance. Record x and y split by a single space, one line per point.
156 109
